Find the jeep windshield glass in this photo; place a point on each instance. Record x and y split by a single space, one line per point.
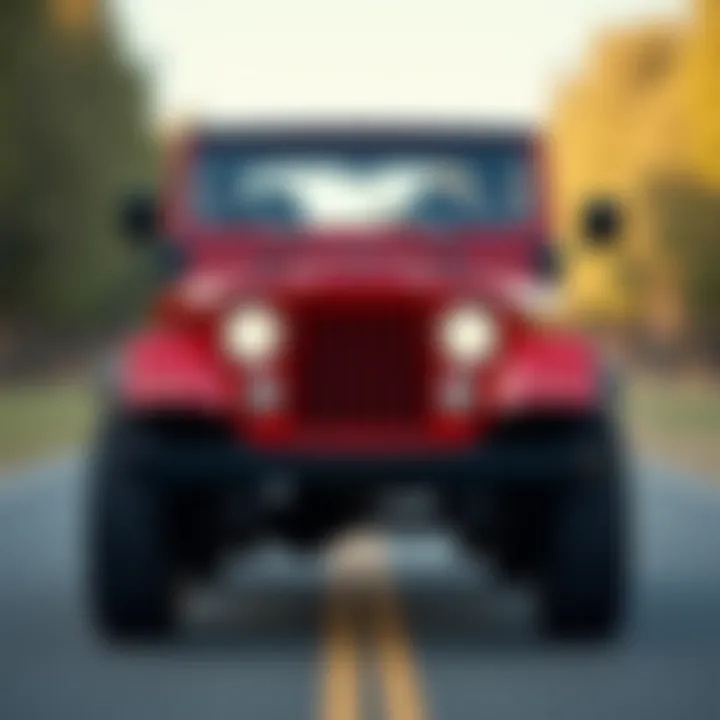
361 185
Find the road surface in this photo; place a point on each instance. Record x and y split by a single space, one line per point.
270 640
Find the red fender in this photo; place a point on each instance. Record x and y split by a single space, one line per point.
549 371
163 369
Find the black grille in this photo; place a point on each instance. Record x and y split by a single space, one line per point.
362 365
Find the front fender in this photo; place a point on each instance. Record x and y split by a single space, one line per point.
170 370
548 372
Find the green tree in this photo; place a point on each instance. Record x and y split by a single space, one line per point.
73 136
687 217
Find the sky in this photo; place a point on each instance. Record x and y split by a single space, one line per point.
466 59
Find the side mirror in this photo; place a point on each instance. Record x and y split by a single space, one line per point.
602 222
547 260
139 217
170 261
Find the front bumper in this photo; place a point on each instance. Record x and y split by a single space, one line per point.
495 464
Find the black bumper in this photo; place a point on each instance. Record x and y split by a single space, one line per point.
494 464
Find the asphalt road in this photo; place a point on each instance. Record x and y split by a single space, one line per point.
256 645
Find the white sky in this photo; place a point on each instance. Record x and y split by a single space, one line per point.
496 59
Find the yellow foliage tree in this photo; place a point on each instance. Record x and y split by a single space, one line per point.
74 16
702 91
630 118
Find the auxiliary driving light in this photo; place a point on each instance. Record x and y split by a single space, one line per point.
253 334
468 334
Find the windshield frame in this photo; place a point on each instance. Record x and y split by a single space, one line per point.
397 141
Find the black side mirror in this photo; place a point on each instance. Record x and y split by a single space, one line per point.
170 261
139 217
602 222
547 261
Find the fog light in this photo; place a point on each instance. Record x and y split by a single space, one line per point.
456 394
264 394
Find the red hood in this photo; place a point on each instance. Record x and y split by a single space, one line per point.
287 265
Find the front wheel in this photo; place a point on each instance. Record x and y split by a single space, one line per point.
584 573
131 560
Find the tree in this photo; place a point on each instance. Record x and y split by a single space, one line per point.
74 134
687 216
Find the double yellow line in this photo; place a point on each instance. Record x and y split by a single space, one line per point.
368 612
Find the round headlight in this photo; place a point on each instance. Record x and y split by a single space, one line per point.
253 334
468 334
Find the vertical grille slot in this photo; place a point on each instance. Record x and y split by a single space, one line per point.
362 366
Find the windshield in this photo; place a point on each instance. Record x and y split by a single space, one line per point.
351 187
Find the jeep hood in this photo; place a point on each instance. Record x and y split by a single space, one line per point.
451 266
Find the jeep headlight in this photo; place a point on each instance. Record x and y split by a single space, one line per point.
468 334
253 334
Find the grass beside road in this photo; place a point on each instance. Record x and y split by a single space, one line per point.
43 419
676 420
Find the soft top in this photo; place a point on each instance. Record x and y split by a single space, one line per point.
427 137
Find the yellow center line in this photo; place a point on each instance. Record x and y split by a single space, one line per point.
401 684
390 644
340 696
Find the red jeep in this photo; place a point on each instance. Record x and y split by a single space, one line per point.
347 313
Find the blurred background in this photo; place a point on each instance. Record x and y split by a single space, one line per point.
626 96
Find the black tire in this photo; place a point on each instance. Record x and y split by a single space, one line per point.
584 574
132 574
196 535
519 537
